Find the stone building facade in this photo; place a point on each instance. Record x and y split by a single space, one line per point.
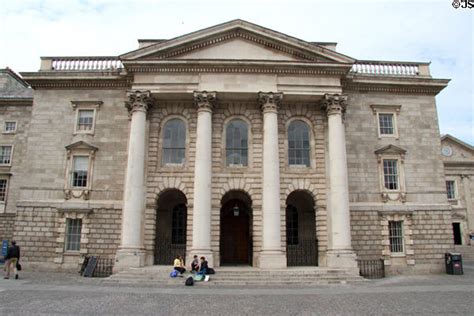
238 143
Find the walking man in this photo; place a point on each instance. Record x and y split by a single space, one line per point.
13 255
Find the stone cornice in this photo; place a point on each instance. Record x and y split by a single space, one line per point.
241 66
16 101
79 80
393 84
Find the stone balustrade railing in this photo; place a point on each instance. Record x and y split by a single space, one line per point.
81 63
390 68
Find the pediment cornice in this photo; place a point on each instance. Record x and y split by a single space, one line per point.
390 150
270 39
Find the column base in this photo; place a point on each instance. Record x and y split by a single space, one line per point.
345 259
201 253
129 258
272 260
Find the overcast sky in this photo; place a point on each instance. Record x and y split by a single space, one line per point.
418 30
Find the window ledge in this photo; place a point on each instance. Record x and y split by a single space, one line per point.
173 165
299 166
398 255
72 253
8 133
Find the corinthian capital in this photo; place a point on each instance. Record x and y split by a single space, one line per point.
138 101
334 103
204 100
269 101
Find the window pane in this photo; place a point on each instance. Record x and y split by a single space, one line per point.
73 234
80 170
396 236
174 142
386 124
5 154
3 189
390 172
236 143
298 143
178 229
450 190
291 225
10 126
85 120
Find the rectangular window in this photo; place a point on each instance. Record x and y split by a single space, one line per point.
386 125
5 155
390 174
3 190
80 168
450 189
73 234
9 127
396 236
85 120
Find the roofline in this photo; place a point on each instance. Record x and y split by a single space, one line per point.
16 76
457 140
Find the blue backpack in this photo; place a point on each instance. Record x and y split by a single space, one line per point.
174 274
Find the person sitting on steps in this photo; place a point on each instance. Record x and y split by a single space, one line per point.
204 266
195 264
179 265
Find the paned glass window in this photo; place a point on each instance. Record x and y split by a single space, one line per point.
396 236
5 155
298 143
174 142
236 143
73 234
390 174
10 127
3 190
450 189
386 124
80 171
85 120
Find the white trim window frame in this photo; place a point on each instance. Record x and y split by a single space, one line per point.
4 160
385 110
4 184
88 123
73 235
9 130
80 171
391 174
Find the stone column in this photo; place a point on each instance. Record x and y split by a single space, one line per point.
201 244
466 183
131 251
272 255
340 253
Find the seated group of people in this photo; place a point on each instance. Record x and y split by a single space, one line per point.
200 267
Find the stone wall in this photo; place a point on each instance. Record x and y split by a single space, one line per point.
367 236
7 226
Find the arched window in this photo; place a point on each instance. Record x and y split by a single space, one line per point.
174 142
298 143
236 143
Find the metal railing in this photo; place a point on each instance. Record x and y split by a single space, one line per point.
305 253
386 68
371 268
103 266
165 253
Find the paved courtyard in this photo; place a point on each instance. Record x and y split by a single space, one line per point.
57 293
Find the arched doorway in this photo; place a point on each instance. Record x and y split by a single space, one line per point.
236 229
301 242
171 218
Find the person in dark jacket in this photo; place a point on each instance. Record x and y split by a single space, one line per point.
204 266
13 255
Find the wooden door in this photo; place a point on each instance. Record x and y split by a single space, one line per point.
235 237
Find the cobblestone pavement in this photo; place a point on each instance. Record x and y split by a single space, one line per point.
69 294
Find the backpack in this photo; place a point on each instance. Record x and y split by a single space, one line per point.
174 274
189 281
210 271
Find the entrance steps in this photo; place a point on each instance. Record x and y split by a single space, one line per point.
230 276
467 252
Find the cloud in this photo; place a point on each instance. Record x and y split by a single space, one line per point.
382 30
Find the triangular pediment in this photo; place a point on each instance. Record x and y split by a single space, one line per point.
390 150
82 145
237 40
